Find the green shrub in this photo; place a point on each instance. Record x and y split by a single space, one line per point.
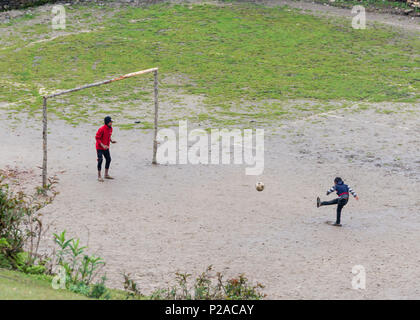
4 244
20 225
130 286
35 269
21 262
96 291
80 288
99 290
206 286
12 212
239 289
5 262
79 267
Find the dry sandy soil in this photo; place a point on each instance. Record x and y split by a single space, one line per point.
155 220
392 20
152 221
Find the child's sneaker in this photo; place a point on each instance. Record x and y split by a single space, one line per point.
337 224
318 202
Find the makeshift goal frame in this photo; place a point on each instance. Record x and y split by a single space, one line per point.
96 84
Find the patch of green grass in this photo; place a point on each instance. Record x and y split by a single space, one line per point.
20 19
141 125
16 285
385 111
235 53
19 286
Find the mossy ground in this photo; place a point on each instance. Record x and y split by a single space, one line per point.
235 56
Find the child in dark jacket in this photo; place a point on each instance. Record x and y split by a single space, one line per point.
342 191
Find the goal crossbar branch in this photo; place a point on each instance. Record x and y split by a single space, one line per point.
96 84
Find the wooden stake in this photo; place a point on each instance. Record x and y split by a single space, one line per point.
126 76
156 118
44 143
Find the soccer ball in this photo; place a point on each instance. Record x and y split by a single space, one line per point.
259 186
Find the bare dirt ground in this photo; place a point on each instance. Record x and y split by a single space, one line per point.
155 220
392 20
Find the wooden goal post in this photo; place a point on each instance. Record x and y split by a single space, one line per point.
129 75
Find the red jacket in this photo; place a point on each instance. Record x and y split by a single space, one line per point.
103 135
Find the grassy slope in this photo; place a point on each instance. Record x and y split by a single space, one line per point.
16 285
19 286
230 53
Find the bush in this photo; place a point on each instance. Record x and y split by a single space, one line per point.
21 226
99 290
11 218
79 267
20 261
206 286
130 286
80 288
96 291
5 262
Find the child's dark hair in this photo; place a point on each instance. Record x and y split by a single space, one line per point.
338 179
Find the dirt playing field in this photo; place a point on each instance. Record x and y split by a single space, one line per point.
152 221
155 220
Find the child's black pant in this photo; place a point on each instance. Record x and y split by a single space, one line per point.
107 155
340 202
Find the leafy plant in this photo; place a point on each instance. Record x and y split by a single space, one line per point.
20 224
130 286
11 219
207 286
79 267
99 290
4 261
80 287
96 291
239 289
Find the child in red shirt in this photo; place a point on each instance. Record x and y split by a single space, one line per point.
103 140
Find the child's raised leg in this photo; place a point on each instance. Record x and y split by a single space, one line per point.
328 203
